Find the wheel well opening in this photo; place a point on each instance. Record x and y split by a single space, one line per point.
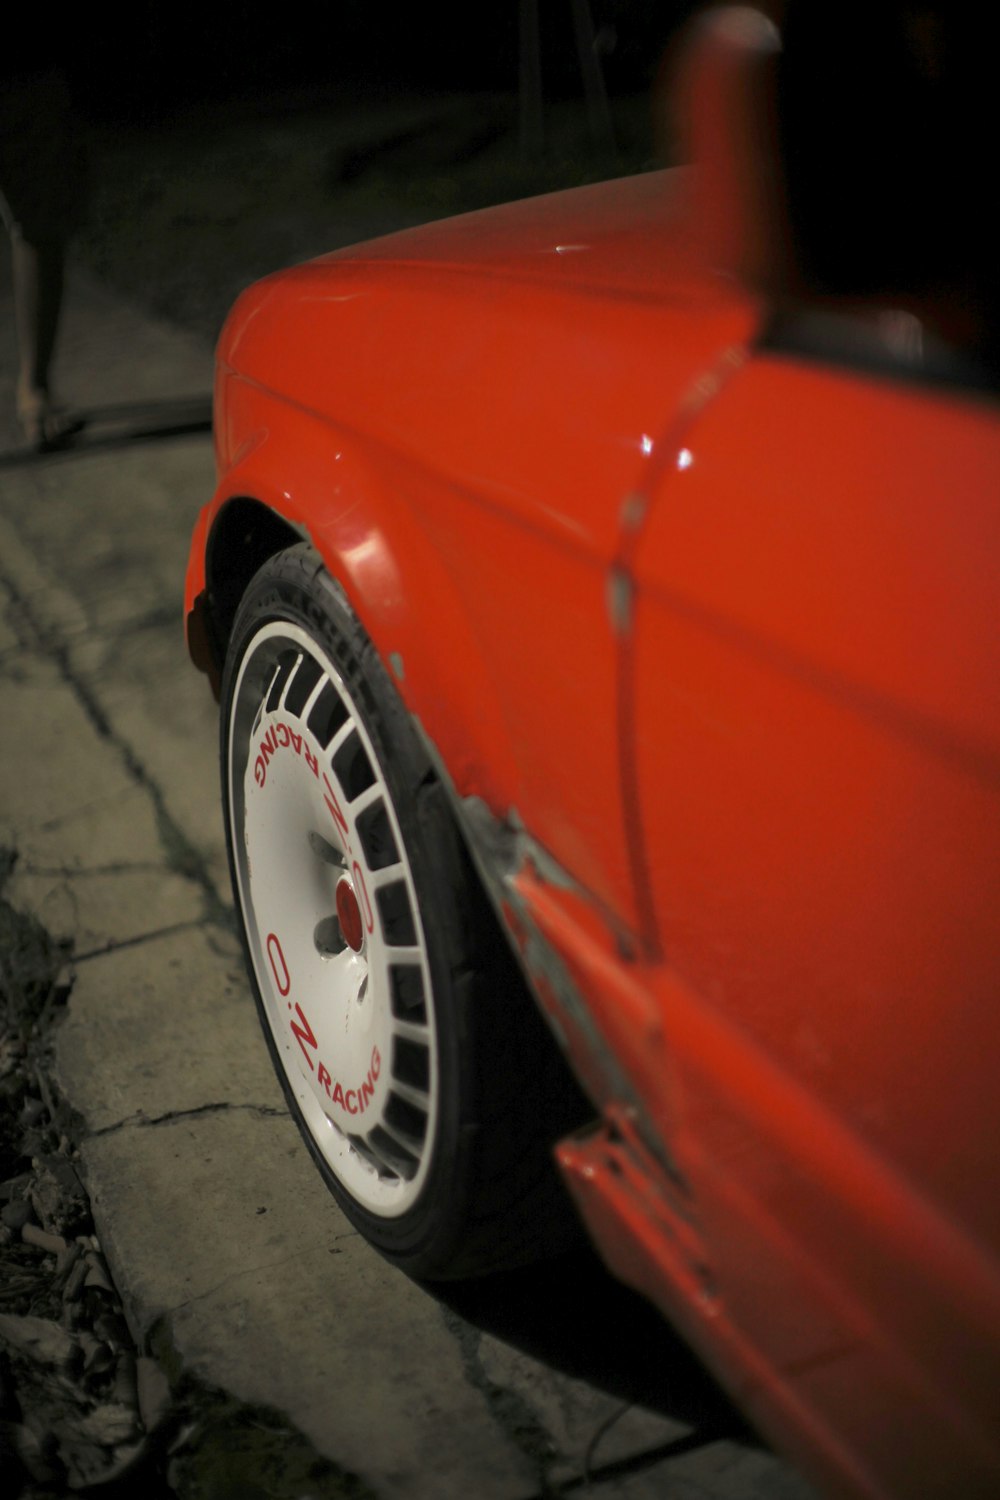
245 535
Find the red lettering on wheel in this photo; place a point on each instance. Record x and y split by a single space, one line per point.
331 801
351 1101
366 906
279 968
304 1034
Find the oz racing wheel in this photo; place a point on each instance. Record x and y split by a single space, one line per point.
411 1055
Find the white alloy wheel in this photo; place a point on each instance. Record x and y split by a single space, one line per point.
332 922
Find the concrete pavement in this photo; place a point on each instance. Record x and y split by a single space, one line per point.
231 1259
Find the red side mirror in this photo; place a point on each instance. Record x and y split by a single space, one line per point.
724 100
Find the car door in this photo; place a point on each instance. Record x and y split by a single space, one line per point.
816 745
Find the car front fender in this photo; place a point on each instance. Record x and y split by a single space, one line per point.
298 476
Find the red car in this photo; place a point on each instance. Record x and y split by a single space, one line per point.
602 594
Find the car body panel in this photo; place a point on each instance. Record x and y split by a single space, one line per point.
818 773
414 477
702 638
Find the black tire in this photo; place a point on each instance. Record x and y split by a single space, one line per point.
443 1160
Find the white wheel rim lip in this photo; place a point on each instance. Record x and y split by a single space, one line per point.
355 1066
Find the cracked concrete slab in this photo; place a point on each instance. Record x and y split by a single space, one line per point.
359 1355
584 1427
180 747
142 681
105 907
598 1436
67 801
91 860
109 828
719 1471
162 1027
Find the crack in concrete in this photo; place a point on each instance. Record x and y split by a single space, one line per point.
231 1448
522 1425
141 1121
81 810
235 1277
182 856
515 1416
85 872
115 945
637 1463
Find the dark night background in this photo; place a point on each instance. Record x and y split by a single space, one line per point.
226 142
152 57
229 142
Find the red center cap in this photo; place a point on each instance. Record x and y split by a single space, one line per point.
349 915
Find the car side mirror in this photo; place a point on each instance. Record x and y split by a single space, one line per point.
724 99
842 164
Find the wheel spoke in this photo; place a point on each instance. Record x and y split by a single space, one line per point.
343 733
365 799
283 682
283 669
405 955
310 702
412 1031
374 1159
394 1156
411 1144
303 681
419 1098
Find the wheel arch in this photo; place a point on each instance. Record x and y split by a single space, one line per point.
245 535
366 515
